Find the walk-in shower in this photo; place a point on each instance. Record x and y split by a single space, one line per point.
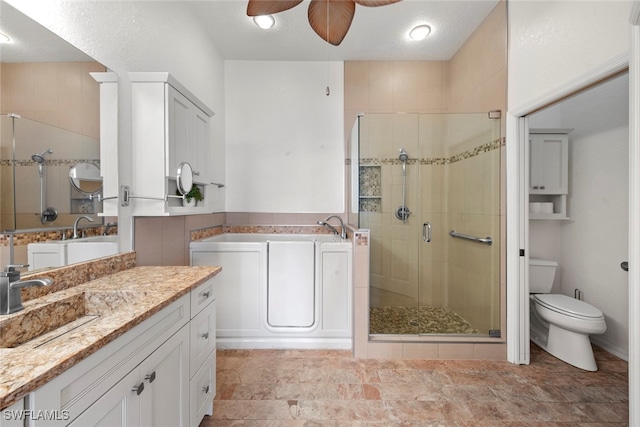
47 214
434 269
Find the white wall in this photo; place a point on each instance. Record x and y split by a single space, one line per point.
591 245
285 137
554 42
142 36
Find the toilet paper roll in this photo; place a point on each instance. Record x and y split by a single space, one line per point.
534 207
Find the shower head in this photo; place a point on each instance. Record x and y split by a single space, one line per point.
39 157
403 156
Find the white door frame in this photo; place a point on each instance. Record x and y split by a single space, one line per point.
517 211
634 217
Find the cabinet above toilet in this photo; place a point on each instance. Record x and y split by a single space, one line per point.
548 173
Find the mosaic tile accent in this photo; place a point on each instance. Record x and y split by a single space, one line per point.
417 320
276 229
24 238
370 181
370 205
50 162
484 148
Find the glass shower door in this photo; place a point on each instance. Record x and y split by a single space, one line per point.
422 280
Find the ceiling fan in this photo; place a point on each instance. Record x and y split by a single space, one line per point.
330 19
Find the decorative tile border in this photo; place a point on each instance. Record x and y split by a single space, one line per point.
24 238
53 162
481 149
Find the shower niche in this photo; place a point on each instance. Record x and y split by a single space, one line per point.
370 196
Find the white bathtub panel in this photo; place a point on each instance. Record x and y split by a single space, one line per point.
238 288
291 284
335 291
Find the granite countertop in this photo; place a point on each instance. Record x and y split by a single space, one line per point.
126 298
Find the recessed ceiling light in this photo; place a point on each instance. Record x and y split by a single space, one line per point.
264 21
420 32
4 38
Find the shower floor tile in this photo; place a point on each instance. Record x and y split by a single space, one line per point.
417 320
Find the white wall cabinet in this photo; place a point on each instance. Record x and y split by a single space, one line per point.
548 176
108 140
170 126
156 374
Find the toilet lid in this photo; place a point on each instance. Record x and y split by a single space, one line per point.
571 306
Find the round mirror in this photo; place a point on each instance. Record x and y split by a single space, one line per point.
184 178
85 177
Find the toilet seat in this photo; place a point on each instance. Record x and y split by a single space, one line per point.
568 306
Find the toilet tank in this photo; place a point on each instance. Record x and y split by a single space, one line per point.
541 275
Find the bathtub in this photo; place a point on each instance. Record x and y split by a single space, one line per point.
280 290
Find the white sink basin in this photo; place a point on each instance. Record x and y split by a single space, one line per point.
58 253
79 250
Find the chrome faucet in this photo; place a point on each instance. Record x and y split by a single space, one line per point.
108 227
343 229
75 225
10 285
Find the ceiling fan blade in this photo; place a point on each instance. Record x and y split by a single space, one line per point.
267 7
331 19
374 3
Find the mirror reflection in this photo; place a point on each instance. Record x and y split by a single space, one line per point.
49 124
85 178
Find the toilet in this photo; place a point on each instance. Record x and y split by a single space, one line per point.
561 325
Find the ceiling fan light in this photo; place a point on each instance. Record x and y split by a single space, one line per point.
420 32
264 21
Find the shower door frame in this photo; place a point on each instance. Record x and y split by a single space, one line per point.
420 161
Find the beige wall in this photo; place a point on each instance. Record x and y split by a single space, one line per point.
473 81
59 105
59 94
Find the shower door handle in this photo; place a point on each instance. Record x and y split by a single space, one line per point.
426 232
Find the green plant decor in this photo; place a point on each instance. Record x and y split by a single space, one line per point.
195 193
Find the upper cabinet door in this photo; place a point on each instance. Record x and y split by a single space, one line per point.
549 157
177 130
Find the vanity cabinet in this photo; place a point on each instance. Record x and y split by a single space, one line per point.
170 126
149 394
157 374
548 175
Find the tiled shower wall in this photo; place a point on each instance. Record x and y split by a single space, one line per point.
473 81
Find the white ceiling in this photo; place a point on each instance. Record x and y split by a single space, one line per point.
376 33
31 42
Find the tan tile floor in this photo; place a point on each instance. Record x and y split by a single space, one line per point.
331 388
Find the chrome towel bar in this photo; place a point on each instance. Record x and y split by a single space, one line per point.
485 240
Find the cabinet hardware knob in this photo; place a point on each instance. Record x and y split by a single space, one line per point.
542 187
138 389
150 377
196 173
535 187
205 335
206 389
206 294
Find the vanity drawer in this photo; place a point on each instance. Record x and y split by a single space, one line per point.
203 390
203 337
202 296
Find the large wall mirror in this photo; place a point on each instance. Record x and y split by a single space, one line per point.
50 123
49 129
